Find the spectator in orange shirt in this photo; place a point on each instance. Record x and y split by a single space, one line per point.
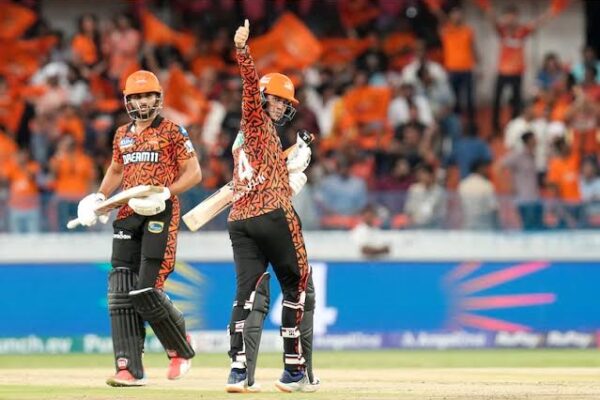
563 171
511 60
590 85
70 122
74 176
85 46
8 147
563 181
22 176
460 58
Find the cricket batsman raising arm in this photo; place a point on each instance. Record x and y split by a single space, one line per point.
264 228
148 151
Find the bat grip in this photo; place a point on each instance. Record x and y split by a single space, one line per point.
306 136
74 223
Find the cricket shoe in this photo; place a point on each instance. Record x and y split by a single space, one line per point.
179 366
238 382
296 382
123 378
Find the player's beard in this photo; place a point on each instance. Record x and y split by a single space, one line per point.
138 113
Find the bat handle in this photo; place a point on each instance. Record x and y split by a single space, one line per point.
74 223
306 136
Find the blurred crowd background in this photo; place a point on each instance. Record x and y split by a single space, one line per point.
390 87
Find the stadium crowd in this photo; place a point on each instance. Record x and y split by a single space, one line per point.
387 86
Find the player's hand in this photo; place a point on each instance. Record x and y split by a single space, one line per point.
297 182
299 159
86 209
150 205
241 35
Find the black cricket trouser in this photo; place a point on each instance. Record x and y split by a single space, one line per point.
275 238
143 245
140 245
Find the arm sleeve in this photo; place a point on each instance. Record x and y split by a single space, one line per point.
252 114
184 149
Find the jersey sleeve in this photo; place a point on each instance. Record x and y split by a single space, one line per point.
117 157
252 114
184 149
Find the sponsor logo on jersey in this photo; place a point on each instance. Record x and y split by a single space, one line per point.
140 156
126 142
155 226
189 146
121 236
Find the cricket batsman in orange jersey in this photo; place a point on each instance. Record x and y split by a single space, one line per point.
150 150
264 229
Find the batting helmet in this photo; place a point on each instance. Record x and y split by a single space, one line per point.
278 85
282 87
141 82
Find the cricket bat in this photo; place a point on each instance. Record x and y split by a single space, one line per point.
118 200
220 200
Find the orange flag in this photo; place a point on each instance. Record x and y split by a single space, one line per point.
182 96
201 63
155 31
158 33
354 13
15 20
22 57
288 45
399 42
338 51
368 103
185 42
558 6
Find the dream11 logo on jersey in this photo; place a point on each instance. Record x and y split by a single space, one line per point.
140 156
324 316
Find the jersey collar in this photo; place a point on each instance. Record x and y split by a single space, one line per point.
155 123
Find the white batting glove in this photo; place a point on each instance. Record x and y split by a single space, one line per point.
150 205
297 182
241 35
86 209
299 159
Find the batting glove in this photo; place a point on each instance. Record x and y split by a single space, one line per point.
297 182
150 205
299 159
86 209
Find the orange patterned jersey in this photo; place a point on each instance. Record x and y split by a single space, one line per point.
260 177
151 157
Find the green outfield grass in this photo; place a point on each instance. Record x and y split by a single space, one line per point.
346 359
541 374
